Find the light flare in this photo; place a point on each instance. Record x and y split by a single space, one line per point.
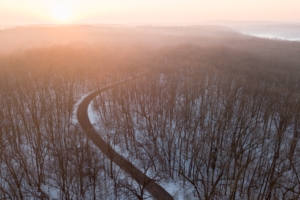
61 13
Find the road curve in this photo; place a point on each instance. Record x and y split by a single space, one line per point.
82 115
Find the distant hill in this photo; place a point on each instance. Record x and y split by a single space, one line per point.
22 38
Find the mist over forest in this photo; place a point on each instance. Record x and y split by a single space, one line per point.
185 112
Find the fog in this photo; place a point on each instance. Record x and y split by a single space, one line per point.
22 38
269 30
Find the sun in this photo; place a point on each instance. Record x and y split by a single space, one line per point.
61 13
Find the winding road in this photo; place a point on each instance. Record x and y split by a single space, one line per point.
82 115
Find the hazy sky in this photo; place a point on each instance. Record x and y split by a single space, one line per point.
146 11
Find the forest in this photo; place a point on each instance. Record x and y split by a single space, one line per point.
207 113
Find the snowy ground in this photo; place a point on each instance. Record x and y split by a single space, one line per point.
273 37
177 188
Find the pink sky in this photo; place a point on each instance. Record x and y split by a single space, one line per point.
146 11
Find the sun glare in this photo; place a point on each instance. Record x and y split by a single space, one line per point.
61 13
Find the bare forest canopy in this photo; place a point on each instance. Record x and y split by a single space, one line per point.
217 113
22 38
